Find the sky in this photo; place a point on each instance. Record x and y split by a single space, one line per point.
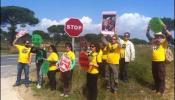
132 15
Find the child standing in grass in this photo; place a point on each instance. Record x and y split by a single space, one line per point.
67 75
93 71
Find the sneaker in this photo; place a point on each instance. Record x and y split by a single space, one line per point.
158 93
108 90
38 86
66 95
115 92
26 85
62 94
16 84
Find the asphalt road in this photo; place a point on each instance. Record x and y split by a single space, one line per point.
8 65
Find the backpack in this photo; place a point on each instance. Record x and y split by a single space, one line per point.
169 55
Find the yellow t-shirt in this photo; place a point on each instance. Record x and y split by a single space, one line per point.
71 55
105 52
158 53
113 56
93 60
24 54
122 50
53 57
99 56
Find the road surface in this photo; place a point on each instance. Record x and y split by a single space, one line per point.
8 65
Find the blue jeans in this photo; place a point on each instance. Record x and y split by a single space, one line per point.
20 67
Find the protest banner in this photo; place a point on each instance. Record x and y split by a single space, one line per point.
108 22
21 33
65 63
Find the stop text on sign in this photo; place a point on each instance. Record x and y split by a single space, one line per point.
74 27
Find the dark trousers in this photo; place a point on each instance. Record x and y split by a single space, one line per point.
123 70
20 67
102 68
52 79
92 86
158 71
66 79
39 77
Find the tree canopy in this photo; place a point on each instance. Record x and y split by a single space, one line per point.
15 15
58 33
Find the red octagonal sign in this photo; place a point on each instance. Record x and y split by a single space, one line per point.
73 27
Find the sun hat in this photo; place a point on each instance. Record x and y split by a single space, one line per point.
159 34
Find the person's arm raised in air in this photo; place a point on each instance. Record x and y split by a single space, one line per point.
148 34
167 34
15 40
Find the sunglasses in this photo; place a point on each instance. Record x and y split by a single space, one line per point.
92 46
113 38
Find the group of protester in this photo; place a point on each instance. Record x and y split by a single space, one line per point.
108 58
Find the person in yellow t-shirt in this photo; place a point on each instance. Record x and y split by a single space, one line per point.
113 58
24 61
52 58
159 45
67 75
104 60
99 61
93 71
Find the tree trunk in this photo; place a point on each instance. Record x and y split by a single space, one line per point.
12 33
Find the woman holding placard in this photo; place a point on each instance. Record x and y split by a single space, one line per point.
93 71
68 60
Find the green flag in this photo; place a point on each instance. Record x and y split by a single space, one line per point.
156 24
44 68
37 40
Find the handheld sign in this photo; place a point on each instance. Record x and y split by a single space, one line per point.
73 27
108 22
65 63
84 60
21 33
156 24
37 40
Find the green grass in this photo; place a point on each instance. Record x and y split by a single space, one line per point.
138 88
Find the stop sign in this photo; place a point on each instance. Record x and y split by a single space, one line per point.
73 27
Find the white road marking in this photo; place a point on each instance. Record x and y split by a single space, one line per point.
12 58
9 55
3 66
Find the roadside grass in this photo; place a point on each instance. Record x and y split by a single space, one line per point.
138 87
